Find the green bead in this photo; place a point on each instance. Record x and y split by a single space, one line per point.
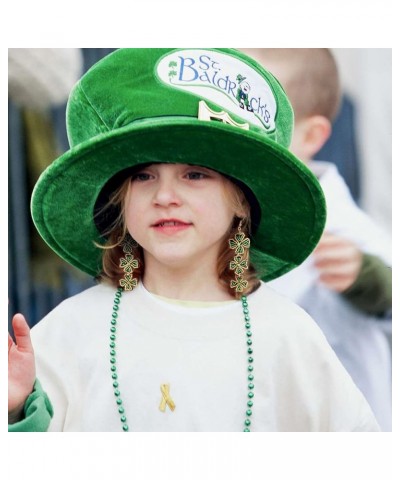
112 352
125 428
250 394
116 301
248 333
247 325
121 410
112 344
113 368
245 311
115 308
112 337
117 393
246 430
119 401
251 377
249 412
118 294
119 289
114 376
249 351
247 422
112 360
250 359
251 386
115 384
114 315
250 403
249 341
113 329
123 419
113 321
247 318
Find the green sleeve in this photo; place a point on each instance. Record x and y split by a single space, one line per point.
38 412
372 291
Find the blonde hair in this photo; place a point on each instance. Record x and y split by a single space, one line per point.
112 273
309 76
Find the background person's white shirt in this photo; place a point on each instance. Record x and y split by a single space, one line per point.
359 340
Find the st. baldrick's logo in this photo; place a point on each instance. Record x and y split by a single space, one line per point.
224 80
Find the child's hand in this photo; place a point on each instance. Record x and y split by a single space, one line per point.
21 368
338 261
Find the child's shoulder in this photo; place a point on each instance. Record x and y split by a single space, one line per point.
93 298
92 304
278 308
280 321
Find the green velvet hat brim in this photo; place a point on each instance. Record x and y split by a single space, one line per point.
291 201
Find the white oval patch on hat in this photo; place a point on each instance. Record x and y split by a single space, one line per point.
223 79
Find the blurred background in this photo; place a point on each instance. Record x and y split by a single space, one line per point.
39 84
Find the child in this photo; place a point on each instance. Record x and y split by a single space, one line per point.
178 200
346 284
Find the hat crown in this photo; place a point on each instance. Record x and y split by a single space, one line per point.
132 85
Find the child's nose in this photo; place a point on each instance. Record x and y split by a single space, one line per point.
167 194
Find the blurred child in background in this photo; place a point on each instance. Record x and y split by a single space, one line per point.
346 284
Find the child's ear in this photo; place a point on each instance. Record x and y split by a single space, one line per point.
318 130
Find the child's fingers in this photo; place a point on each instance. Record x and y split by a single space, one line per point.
22 333
10 342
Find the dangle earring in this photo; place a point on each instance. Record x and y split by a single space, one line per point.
128 263
240 244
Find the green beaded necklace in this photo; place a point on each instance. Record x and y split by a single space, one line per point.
113 361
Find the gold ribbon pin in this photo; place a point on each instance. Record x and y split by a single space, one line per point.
166 398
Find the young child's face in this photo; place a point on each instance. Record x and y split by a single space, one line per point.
178 213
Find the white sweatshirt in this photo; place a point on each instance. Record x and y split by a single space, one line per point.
202 354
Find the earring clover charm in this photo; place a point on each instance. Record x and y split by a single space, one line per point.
128 283
128 263
240 244
128 244
238 265
239 284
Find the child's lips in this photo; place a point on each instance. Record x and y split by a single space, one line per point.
170 226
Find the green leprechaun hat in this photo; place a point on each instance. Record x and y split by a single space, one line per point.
138 106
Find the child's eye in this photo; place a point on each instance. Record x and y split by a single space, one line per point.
141 177
196 175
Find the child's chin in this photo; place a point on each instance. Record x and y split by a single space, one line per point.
173 255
